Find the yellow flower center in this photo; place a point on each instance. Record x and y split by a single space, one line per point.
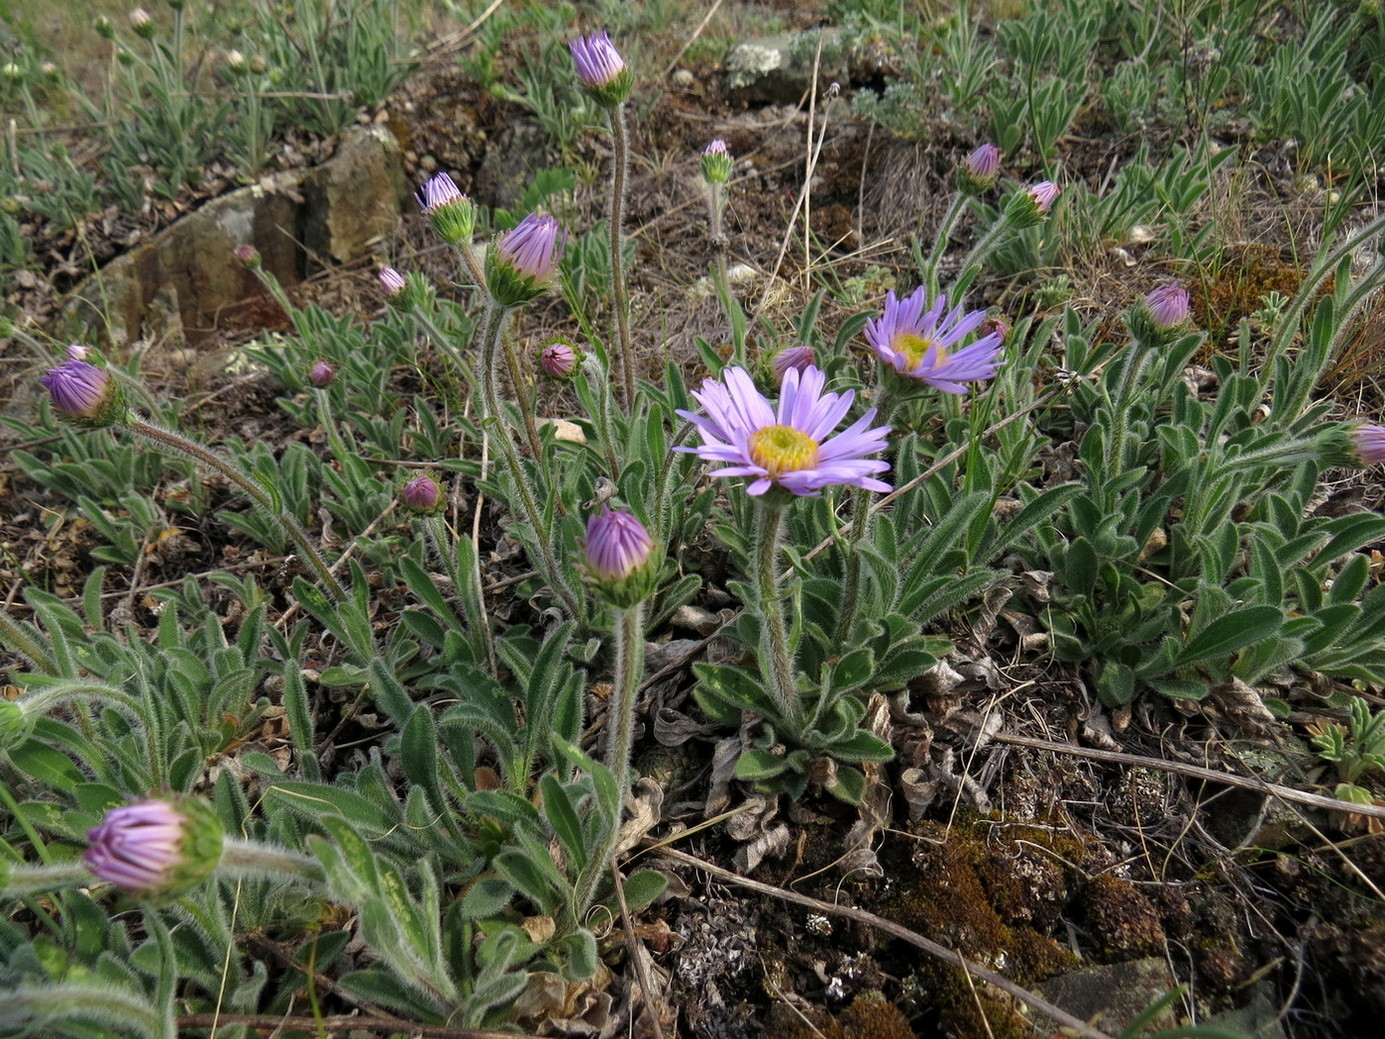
915 347
783 449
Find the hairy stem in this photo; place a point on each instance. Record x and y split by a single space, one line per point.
522 398
935 257
241 858
775 659
620 164
492 331
620 729
177 442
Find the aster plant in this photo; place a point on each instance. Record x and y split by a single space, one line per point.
788 451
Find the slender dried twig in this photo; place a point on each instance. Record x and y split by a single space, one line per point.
1284 793
341 1023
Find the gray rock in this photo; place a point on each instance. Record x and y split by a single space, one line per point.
1111 996
779 69
177 283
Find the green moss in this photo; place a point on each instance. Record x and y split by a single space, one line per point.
972 887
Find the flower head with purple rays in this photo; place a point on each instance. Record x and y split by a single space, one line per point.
791 445
136 845
924 345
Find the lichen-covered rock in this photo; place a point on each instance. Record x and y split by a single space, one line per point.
178 283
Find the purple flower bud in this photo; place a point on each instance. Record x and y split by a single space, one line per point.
1043 195
1168 305
154 847
392 281
716 163
322 374
422 495
979 169
995 324
249 256
793 359
1030 207
452 214
558 359
618 554
520 262
83 393
601 71
984 162
1368 443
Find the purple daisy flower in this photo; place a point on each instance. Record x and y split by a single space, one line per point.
1043 195
789 446
322 374
716 163
558 359
923 345
451 213
520 262
391 281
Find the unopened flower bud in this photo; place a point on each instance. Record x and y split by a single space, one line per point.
82 393
11 72
422 495
249 257
451 214
322 374
716 163
1368 444
601 71
391 281
620 557
1031 206
142 23
104 28
1160 316
520 263
259 65
559 359
50 71
1168 305
235 61
157 848
793 359
979 170
995 324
